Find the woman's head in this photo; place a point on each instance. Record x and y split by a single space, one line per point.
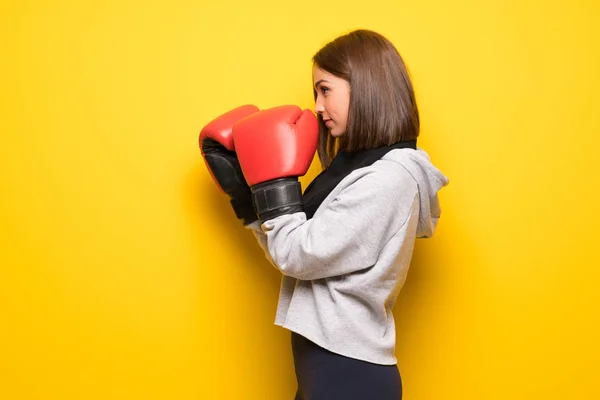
363 95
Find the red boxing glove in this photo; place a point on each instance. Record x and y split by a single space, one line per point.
217 148
275 147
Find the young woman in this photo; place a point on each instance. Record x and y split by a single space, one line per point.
345 245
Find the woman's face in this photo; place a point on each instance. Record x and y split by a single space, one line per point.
333 100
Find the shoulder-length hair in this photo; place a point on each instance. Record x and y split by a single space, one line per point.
383 109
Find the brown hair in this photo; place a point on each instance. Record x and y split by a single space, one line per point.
383 109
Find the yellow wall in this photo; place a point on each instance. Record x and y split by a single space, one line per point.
125 275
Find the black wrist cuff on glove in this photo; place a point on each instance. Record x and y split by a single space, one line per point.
244 210
274 198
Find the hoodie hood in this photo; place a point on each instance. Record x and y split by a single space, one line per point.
429 181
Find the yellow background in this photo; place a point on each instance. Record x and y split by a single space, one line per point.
125 275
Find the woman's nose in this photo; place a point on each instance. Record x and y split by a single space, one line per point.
319 106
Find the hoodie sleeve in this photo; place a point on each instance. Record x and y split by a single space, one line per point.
348 234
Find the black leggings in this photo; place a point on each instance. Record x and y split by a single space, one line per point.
323 375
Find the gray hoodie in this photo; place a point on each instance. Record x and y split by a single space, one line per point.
343 269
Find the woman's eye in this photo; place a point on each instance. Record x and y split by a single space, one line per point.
324 89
